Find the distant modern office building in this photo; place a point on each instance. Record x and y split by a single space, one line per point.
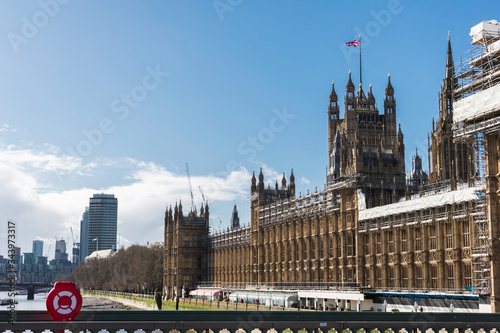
60 253
17 259
103 217
84 235
76 254
60 264
37 249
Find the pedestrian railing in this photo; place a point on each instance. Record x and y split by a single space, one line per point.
116 293
124 321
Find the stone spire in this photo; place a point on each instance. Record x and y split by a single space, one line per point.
371 98
292 184
450 67
350 98
389 102
254 183
333 95
333 116
261 181
350 86
389 90
449 84
235 220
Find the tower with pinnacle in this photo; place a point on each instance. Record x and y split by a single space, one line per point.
448 160
366 145
186 250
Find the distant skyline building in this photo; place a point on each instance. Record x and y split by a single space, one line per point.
103 221
76 254
84 234
37 249
60 252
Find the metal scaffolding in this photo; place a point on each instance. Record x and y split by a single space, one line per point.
231 237
480 251
478 74
323 202
480 69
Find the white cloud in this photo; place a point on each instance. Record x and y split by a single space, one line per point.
305 181
7 128
272 176
142 203
43 212
43 159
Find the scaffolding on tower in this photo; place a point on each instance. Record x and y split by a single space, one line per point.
481 267
476 114
480 250
476 110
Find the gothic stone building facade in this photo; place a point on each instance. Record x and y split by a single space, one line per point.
366 228
185 259
448 159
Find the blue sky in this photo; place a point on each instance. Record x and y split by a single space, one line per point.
116 96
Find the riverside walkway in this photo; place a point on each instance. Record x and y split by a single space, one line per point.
128 302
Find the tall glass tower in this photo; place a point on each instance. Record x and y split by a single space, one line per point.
103 217
84 235
37 249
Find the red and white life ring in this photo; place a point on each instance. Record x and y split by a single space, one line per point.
64 308
64 301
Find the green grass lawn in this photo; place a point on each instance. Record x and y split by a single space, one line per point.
167 305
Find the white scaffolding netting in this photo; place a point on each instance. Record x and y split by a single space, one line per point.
478 105
484 30
437 200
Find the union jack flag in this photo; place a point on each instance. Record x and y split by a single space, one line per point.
354 43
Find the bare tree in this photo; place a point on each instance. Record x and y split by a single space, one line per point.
136 268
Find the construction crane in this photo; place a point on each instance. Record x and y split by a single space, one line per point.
202 195
76 247
190 188
73 237
205 201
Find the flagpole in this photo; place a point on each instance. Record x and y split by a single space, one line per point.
360 77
